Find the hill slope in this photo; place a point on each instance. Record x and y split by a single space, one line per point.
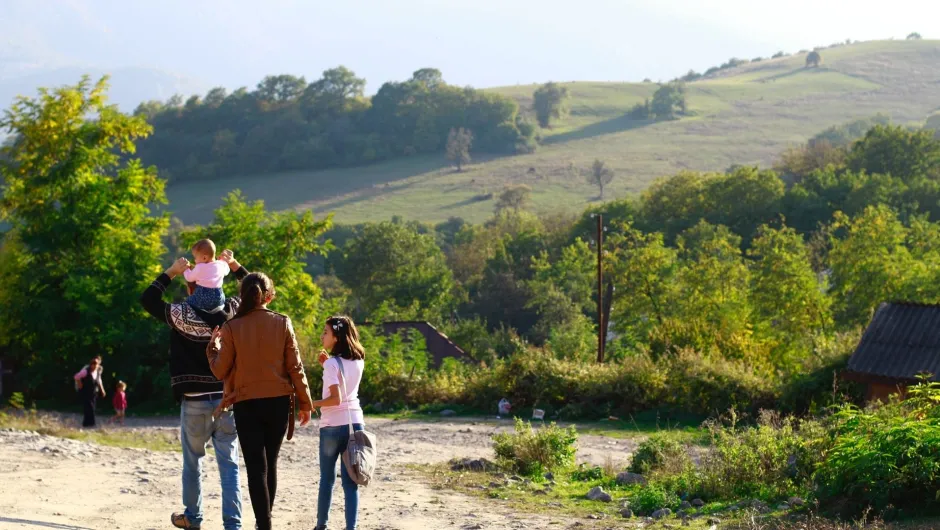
746 115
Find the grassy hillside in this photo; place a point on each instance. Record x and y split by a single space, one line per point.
745 115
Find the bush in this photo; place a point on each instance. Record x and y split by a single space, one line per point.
656 453
533 452
885 456
653 497
770 461
587 474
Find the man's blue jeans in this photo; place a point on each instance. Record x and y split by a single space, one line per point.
333 441
197 427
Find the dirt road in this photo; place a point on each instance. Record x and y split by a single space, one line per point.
48 482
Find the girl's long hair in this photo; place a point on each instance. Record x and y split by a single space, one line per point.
254 289
347 338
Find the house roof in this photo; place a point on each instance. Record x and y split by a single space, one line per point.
902 341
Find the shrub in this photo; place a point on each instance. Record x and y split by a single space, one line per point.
656 452
653 497
769 461
587 474
885 456
533 452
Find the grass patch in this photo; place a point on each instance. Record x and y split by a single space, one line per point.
151 439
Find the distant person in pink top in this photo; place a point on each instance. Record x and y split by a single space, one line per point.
207 274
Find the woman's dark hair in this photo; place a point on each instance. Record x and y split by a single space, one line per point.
347 338
255 288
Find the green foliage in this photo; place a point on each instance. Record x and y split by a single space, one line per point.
653 453
288 124
885 456
550 102
17 401
391 263
648 499
898 152
276 243
847 133
669 102
82 242
587 474
914 36
516 197
600 175
772 460
534 452
458 147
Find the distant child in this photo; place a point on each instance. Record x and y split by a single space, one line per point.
120 402
207 274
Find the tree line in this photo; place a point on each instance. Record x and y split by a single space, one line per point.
760 268
288 123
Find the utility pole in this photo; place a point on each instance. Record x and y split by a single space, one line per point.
600 289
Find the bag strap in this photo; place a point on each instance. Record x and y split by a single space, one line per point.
342 388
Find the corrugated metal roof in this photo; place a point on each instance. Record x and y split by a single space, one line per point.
902 341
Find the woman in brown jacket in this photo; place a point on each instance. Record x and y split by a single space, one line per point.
256 354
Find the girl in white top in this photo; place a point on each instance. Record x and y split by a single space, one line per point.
338 408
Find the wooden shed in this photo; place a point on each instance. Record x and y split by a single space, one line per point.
901 342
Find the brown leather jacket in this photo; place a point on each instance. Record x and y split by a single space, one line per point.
259 358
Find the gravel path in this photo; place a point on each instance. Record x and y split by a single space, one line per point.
48 482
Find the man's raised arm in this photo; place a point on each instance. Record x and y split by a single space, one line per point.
152 297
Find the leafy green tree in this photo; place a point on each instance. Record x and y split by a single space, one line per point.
394 264
896 151
796 163
458 147
669 101
515 197
550 102
871 264
813 59
276 243
914 36
643 270
431 78
789 301
600 175
82 242
280 88
562 288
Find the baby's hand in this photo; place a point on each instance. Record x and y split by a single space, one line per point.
323 357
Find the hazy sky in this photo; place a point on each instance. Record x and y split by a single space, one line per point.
477 42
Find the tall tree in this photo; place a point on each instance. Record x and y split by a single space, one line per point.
82 242
600 175
458 147
392 265
914 36
550 102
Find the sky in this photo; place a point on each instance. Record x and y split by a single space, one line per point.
481 43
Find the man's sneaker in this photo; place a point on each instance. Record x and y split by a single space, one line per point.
179 520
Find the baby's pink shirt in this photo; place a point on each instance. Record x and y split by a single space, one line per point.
208 275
